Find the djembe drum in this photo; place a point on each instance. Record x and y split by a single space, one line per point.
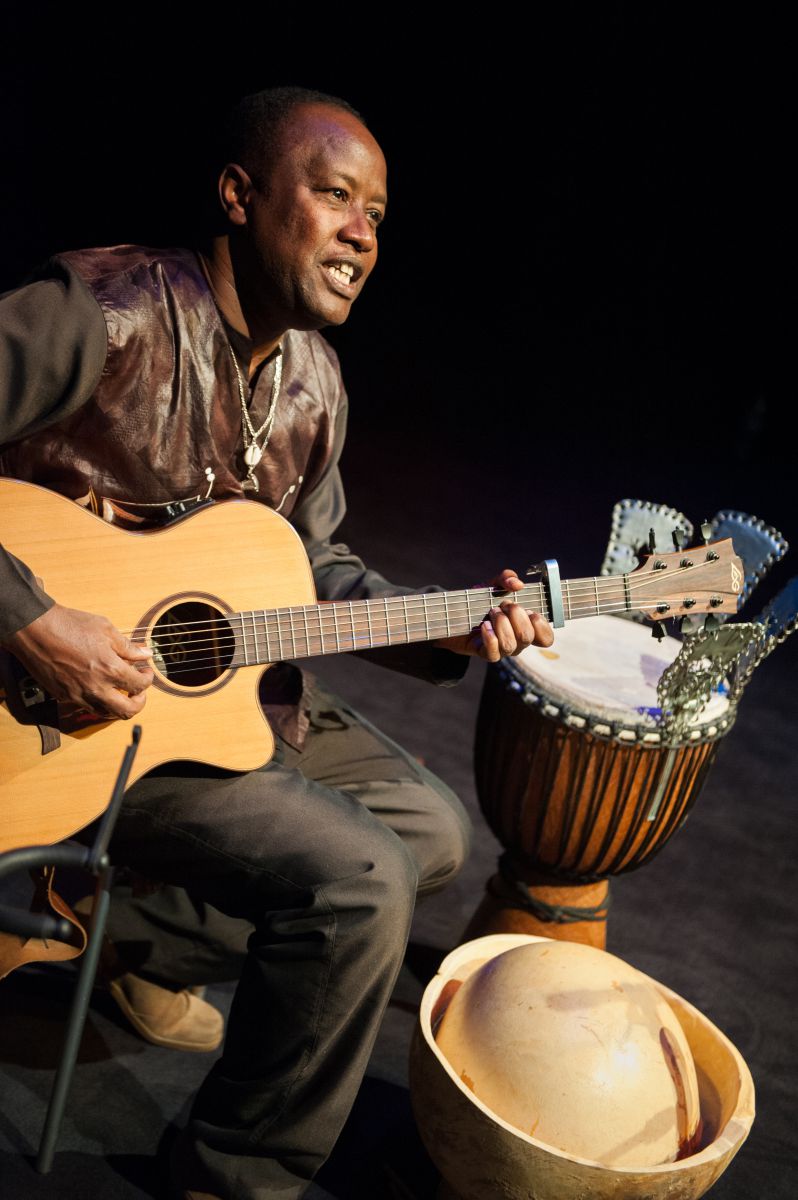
577 776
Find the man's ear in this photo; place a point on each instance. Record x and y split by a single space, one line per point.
235 187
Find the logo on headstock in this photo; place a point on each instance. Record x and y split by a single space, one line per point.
736 577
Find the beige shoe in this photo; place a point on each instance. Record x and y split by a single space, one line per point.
179 1020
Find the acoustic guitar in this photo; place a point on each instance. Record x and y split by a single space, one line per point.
194 592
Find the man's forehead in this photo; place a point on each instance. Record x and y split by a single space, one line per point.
316 135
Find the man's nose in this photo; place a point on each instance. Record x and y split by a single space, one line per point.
357 230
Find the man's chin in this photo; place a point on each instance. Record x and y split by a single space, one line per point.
322 315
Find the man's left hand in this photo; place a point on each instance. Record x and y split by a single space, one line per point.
507 630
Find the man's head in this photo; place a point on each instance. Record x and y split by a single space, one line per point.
303 198
254 125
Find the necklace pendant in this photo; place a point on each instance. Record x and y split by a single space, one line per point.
253 454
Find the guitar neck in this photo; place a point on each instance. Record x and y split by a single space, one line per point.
307 630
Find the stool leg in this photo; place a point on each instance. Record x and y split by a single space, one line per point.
75 1023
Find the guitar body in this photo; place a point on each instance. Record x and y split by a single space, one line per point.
228 557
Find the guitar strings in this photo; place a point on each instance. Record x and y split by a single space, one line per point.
429 603
290 621
326 619
273 624
188 664
327 623
573 590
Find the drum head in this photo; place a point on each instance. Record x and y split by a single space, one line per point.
605 667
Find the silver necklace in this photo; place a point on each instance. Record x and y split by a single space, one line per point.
253 452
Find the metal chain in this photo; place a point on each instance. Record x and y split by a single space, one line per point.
253 453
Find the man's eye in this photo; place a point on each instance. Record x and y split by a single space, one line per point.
374 215
338 193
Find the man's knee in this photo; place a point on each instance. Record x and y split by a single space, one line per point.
431 823
372 907
392 880
451 843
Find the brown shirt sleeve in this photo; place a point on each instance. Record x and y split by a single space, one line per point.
53 345
22 599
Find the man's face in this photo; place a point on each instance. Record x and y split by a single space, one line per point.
313 225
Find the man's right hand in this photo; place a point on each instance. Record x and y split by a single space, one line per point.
80 657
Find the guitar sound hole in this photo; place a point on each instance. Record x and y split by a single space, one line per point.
192 644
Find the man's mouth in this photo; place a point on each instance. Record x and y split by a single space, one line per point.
343 272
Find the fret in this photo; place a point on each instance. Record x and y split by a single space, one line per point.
293 638
627 594
446 612
321 628
268 642
281 657
595 585
467 597
307 630
368 622
352 623
567 591
244 639
334 608
255 636
486 603
426 617
387 622
407 622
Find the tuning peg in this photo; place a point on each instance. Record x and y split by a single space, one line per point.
706 530
678 537
652 541
658 631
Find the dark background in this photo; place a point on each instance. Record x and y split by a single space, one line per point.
582 287
582 296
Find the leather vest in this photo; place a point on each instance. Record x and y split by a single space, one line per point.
167 409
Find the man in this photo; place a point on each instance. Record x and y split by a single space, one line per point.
148 377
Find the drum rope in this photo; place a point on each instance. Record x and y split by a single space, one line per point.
507 888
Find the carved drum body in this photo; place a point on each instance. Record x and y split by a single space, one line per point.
575 774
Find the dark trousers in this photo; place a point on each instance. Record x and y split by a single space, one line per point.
303 874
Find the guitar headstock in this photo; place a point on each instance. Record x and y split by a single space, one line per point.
704 579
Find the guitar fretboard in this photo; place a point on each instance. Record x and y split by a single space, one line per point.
307 630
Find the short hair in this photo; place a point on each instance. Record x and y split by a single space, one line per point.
255 123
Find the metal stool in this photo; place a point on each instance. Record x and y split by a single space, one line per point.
94 859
